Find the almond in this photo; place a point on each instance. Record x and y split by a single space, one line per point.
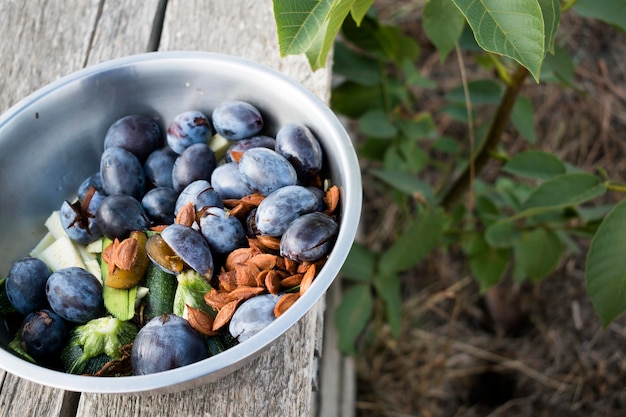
186 215
284 303
201 321
225 314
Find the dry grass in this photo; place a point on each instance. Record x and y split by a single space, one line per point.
550 356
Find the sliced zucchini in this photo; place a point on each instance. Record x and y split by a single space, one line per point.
62 253
120 302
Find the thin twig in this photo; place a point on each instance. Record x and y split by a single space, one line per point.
470 125
483 154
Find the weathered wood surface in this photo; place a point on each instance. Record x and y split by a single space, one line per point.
43 40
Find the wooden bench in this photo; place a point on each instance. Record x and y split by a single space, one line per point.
43 40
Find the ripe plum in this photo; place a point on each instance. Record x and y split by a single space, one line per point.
188 128
138 134
236 120
166 342
264 170
75 294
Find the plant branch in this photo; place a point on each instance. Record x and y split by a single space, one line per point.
489 145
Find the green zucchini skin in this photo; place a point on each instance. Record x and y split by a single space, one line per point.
160 297
71 355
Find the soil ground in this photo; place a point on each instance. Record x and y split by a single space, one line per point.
544 352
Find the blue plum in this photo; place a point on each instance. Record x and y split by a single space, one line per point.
191 247
159 204
122 173
75 294
224 232
236 120
119 214
79 218
280 208
263 170
237 148
297 143
227 181
158 167
252 316
309 238
26 284
43 333
197 162
201 194
94 180
138 134
188 128
166 342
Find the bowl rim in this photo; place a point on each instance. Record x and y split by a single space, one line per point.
218 366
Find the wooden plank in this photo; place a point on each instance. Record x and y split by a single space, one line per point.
42 41
23 398
237 27
124 28
39 44
337 386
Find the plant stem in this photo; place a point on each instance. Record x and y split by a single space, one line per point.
615 187
568 5
480 158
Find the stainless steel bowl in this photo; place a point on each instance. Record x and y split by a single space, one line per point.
52 140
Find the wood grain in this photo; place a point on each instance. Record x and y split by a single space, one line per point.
44 40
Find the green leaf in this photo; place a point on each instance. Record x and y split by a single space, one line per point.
512 193
480 92
354 66
446 144
413 77
523 118
420 126
559 67
359 10
389 289
310 27
605 268
501 234
419 237
513 28
405 182
551 11
318 52
609 11
486 209
562 191
535 164
385 42
486 263
375 149
593 214
360 264
353 313
414 158
538 252
299 23
352 99
443 24
396 45
456 111
376 123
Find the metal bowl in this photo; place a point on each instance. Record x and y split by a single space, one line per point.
53 139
